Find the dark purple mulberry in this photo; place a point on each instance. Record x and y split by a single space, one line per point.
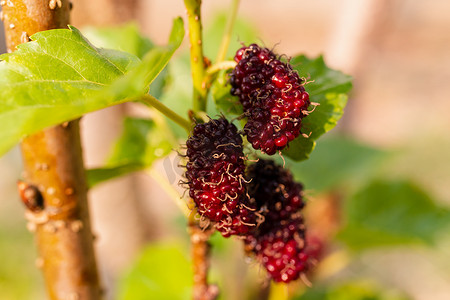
281 249
279 242
273 97
274 190
215 174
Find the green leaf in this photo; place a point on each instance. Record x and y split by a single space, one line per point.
99 175
142 142
325 80
329 89
60 76
225 103
392 214
162 272
129 39
354 290
341 159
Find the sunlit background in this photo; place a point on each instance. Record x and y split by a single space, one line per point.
399 112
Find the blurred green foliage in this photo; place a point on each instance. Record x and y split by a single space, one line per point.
162 271
390 213
142 142
19 277
336 161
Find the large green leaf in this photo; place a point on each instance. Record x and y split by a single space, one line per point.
341 159
60 76
329 88
392 214
162 272
126 38
142 142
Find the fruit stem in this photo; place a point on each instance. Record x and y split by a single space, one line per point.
228 31
278 291
196 50
211 72
149 100
223 65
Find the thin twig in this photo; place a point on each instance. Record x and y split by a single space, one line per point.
228 31
223 65
158 105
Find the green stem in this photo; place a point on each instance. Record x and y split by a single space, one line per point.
158 105
210 73
278 291
196 47
223 65
228 31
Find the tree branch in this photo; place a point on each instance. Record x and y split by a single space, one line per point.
200 249
54 171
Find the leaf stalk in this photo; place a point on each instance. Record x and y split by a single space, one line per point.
149 100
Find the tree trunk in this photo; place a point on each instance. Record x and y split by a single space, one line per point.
54 173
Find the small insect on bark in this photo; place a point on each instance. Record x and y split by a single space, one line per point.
30 196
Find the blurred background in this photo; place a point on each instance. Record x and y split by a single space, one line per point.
398 53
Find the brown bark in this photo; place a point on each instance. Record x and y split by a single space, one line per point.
23 18
200 261
54 165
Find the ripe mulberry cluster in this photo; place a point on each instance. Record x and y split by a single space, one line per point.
279 242
273 97
261 204
215 174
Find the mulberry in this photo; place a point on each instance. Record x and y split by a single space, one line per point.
273 97
281 249
215 174
279 242
274 190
